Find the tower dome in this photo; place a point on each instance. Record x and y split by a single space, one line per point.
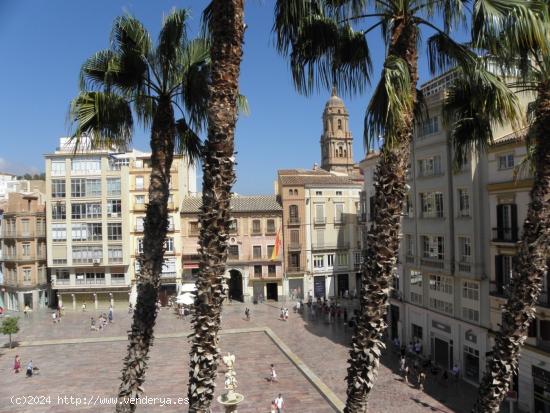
334 100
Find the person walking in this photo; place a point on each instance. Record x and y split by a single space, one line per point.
421 380
29 369
247 313
456 373
130 308
17 364
273 375
406 374
280 403
273 406
54 318
402 363
26 311
84 307
110 314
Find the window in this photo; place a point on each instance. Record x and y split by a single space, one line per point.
433 247
338 193
139 182
318 193
270 249
338 213
465 249
90 278
409 246
330 260
339 124
93 187
463 203
115 164
293 214
506 161
416 279
140 245
26 249
58 188
295 238
318 261
86 231
25 226
233 226
169 244
118 278
59 232
441 284
78 187
83 211
139 224
256 227
115 255
139 199
58 211
504 269
429 166
169 267
114 231
113 186
441 305
194 228
138 163
294 261
431 204
62 277
87 254
86 166
417 331
507 222
270 226
257 251
114 208
470 314
233 252
470 290
271 270
58 168
27 275
416 298
358 258
170 223
409 211
319 213
341 259
430 126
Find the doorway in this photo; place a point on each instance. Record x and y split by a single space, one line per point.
394 322
236 285
343 284
272 291
27 298
319 287
441 352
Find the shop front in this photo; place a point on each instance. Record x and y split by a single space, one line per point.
541 389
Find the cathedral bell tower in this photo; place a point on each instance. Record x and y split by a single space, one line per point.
336 140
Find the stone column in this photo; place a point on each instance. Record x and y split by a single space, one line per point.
74 301
95 301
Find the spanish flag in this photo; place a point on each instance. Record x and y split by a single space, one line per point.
277 246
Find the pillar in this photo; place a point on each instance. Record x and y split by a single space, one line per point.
95 301
74 301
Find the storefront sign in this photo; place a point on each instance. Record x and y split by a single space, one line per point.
441 326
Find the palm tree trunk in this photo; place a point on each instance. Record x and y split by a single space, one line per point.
382 247
140 336
227 29
531 264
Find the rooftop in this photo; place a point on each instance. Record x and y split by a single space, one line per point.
239 203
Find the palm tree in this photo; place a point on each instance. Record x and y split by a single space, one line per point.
225 24
156 82
518 43
327 44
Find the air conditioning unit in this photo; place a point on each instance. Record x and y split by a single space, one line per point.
97 261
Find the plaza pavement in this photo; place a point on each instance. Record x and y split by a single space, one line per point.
309 355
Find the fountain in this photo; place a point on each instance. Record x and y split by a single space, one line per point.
230 399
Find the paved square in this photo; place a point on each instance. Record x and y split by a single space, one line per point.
73 361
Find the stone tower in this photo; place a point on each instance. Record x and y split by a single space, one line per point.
336 140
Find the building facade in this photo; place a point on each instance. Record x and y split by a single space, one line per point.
253 270
23 245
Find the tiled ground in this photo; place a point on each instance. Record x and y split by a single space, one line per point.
93 368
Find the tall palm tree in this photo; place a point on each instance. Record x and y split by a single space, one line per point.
518 44
154 81
225 24
327 44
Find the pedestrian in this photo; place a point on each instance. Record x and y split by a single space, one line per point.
26 311
111 314
406 374
17 364
421 380
84 307
273 375
280 403
410 347
273 406
286 314
282 314
54 318
29 369
456 372
402 363
130 308
247 313
418 347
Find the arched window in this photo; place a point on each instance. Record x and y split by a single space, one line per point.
339 124
340 152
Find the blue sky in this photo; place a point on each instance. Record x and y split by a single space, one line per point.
44 42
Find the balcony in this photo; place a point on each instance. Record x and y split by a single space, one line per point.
464 267
294 221
409 259
90 281
504 234
294 268
432 263
340 221
320 221
337 246
118 281
61 281
294 246
168 274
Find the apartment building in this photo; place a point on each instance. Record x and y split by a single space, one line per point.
320 228
508 203
441 291
252 268
182 183
88 225
23 245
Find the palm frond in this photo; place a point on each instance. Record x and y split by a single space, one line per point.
172 37
391 100
527 166
188 142
452 12
242 104
145 107
444 54
290 16
94 72
475 103
106 118
129 34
